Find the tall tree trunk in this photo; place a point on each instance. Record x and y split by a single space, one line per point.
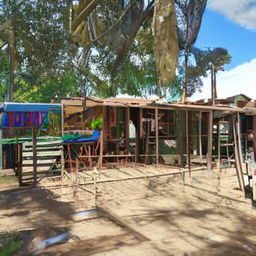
166 45
12 58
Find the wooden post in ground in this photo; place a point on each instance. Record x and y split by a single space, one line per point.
254 136
102 136
237 158
138 136
126 133
1 151
218 129
181 139
200 134
209 150
188 143
238 125
34 156
19 161
157 136
62 147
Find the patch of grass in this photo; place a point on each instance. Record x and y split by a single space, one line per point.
8 179
10 249
11 242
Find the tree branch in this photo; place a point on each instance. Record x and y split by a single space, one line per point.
83 14
112 27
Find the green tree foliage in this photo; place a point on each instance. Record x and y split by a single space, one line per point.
198 67
43 49
112 49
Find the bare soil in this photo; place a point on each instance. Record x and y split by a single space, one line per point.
132 211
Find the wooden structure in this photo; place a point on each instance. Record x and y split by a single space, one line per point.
147 132
28 117
142 132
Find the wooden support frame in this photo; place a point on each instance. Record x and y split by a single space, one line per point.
218 131
237 157
137 139
34 157
188 143
127 119
209 148
238 125
157 136
181 139
200 134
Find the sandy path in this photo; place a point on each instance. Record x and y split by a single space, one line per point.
144 216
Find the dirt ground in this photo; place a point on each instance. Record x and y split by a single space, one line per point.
131 211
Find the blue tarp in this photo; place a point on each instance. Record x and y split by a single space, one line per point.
26 114
95 136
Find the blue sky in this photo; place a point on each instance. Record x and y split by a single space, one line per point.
231 24
217 31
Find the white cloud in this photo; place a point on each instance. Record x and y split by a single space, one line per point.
242 12
241 79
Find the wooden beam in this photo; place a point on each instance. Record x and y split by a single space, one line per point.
188 142
218 131
103 136
254 136
137 147
209 150
237 158
157 136
200 134
181 139
238 125
1 151
126 133
34 156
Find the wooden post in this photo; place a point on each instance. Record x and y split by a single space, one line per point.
209 150
34 156
102 136
181 139
200 134
157 136
138 136
62 147
239 141
19 149
237 158
187 143
62 164
218 148
147 142
254 136
1 151
127 120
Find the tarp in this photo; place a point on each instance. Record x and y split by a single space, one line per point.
77 139
26 114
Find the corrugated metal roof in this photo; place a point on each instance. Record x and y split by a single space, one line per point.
28 107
